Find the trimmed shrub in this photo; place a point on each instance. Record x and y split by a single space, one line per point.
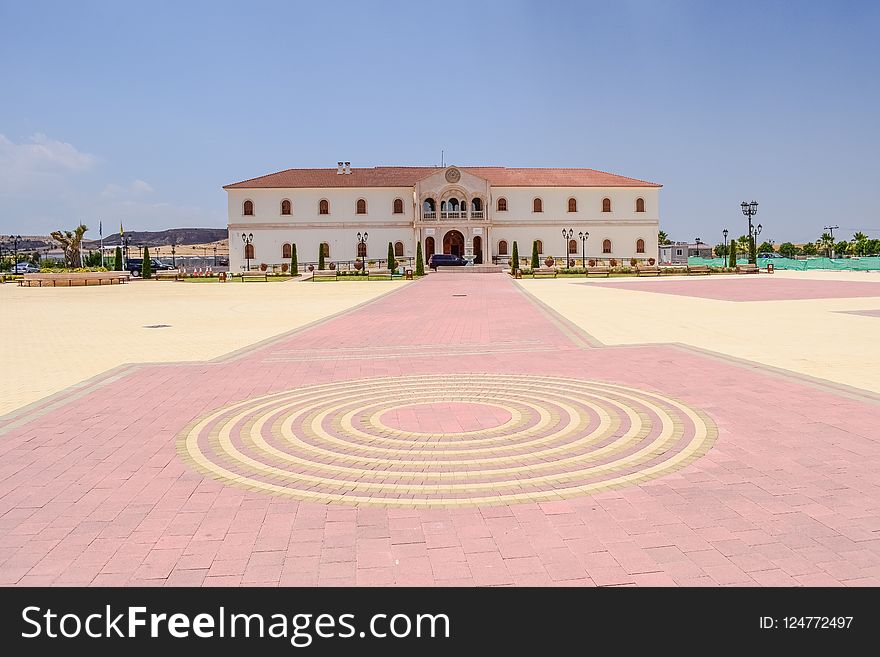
294 265
321 256
732 261
514 259
420 261
117 265
536 258
392 263
147 266
633 262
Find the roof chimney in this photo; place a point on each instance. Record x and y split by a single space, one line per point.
348 167
339 169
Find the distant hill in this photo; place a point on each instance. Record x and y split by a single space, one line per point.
163 237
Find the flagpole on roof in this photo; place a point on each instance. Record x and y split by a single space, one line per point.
101 234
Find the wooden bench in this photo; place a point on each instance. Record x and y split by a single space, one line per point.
324 275
647 271
544 272
747 269
69 278
696 270
169 274
251 276
379 273
598 271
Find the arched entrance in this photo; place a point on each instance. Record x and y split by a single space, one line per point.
453 242
429 247
478 250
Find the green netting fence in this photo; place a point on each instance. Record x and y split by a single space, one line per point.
837 264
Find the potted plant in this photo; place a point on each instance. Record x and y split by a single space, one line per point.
633 262
332 265
284 268
359 265
311 267
570 263
549 261
263 266
592 262
613 262
651 261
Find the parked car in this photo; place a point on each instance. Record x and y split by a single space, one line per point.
136 265
25 268
770 254
445 260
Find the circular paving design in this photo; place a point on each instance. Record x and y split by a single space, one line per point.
447 440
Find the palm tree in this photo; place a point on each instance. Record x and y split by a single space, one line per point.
860 243
70 241
663 238
826 244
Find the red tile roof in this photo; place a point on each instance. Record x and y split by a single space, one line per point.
408 176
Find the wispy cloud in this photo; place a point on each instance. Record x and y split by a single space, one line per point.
39 162
136 188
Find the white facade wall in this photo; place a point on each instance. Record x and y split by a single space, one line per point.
307 228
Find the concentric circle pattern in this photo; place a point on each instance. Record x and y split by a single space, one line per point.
447 440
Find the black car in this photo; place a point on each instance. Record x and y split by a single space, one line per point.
136 265
445 260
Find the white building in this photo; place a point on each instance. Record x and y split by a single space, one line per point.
449 209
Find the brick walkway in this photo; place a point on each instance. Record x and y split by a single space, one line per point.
451 432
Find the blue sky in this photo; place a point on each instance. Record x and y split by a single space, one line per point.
141 111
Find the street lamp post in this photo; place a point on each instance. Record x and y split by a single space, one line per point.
726 255
750 210
15 239
566 235
362 239
215 255
173 255
248 240
584 237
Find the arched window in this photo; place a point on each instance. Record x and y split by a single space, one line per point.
398 206
326 249
477 204
606 246
572 246
285 251
606 205
540 246
537 205
429 247
502 205
502 247
324 206
248 208
249 252
572 205
361 206
429 205
640 205
640 246
362 250
398 249
285 207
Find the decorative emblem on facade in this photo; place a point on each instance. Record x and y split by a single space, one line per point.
453 175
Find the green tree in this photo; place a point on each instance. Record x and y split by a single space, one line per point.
841 248
392 263
147 266
294 265
536 258
810 249
732 260
321 256
766 247
663 238
70 241
825 244
872 247
420 261
514 259
117 261
788 250
721 250
860 242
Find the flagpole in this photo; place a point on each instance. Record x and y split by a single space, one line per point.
101 233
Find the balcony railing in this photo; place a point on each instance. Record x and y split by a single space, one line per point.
447 215
429 216
476 214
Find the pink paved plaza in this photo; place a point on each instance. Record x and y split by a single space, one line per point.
452 432
748 288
